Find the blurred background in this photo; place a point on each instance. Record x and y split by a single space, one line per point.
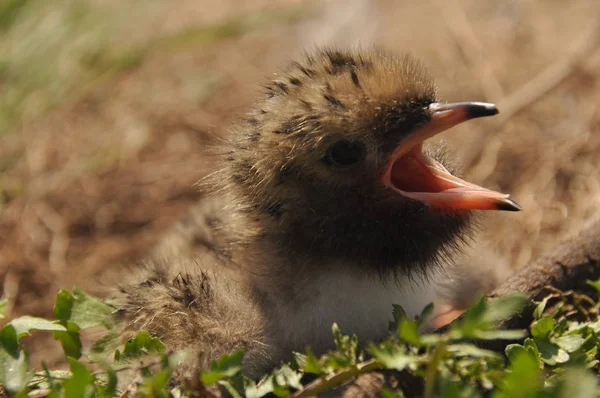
107 107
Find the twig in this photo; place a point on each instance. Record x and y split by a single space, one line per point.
337 378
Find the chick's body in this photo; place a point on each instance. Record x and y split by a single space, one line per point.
194 296
299 231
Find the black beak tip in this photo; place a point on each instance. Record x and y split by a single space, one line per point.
481 109
508 205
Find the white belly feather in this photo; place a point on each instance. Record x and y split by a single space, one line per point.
357 304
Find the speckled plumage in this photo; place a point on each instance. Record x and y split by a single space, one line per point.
274 167
286 243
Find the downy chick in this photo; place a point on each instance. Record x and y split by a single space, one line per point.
326 208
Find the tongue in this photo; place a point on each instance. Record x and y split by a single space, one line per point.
418 177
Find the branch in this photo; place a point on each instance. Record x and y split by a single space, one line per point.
326 382
568 267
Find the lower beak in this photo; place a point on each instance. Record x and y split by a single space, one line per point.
414 175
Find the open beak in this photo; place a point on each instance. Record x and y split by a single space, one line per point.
414 175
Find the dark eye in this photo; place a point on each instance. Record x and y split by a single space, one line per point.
346 153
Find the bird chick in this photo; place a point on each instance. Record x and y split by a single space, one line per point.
327 207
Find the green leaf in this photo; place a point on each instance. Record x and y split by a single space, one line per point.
550 353
472 351
9 340
233 392
456 389
139 345
392 356
63 305
512 351
529 345
540 308
70 340
595 284
595 326
484 315
503 307
472 318
425 314
408 332
13 371
523 380
570 342
288 377
387 393
84 310
11 334
264 387
309 363
229 364
3 304
25 324
500 334
432 339
274 384
211 377
81 383
226 366
159 383
346 349
299 360
542 328
398 314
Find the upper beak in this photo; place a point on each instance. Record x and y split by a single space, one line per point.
444 116
414 175
468 110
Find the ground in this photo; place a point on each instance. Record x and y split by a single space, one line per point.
107 109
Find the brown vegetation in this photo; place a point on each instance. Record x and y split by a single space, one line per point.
91 179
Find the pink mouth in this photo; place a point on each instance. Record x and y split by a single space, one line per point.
414 175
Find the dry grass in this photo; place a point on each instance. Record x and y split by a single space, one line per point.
105 111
